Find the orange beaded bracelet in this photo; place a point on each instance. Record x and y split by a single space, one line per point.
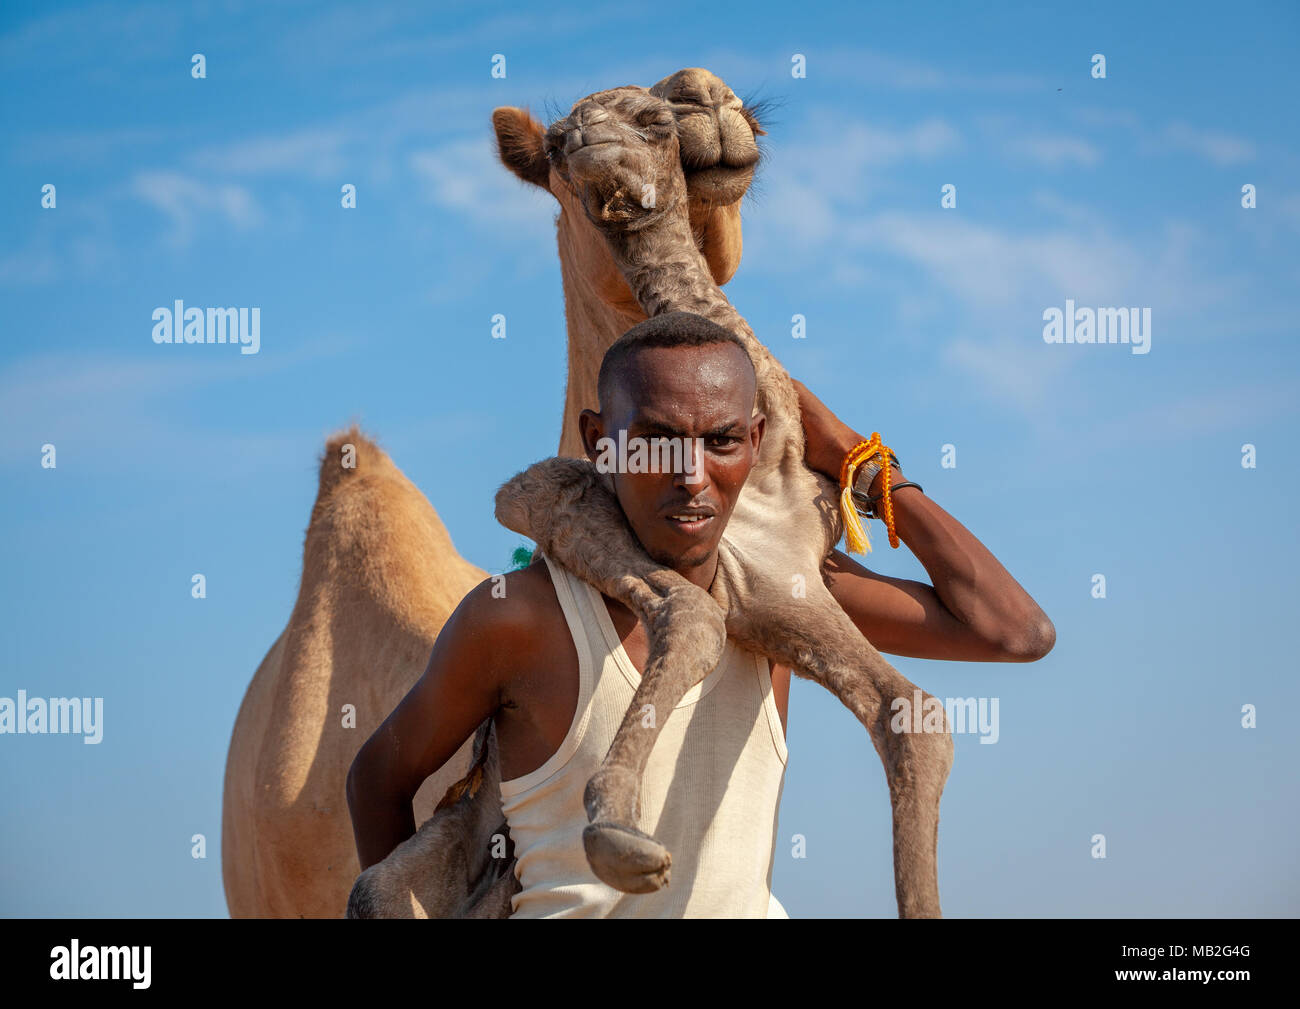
855 536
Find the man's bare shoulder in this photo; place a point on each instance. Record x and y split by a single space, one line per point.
512 629
513 610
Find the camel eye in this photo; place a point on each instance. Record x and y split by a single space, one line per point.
661 116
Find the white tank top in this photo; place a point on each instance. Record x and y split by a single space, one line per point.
710 793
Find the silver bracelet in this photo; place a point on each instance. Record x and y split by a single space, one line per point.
866 473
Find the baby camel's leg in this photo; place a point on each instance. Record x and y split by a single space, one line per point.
566 508
815 637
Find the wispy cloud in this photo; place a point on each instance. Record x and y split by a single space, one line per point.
130 32
887 70
185 199
391 32
36 264
1206 411
993 267
93 404
1074 212
1004 372
1219 148
1053 151
995 277
832 166
465 177
1215 146
86 145
1288 207
73 241
314 152
864 145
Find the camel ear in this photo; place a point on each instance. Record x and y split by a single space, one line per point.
519 142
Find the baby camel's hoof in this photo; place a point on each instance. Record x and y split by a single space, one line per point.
626 858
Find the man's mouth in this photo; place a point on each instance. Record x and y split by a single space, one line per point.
691 521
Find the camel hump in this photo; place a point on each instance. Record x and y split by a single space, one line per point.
348 453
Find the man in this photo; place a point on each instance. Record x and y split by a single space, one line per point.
555 664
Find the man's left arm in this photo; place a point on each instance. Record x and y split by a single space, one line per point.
974 611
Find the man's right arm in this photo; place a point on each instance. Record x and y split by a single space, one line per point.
973 612
459 689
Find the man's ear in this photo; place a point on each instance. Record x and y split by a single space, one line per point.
591 428
519 142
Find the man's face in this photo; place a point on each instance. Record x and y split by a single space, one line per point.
704 398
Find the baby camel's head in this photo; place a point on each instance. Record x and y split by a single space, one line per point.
677 433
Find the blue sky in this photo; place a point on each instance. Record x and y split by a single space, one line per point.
924 323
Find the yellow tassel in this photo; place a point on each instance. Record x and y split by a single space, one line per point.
855 536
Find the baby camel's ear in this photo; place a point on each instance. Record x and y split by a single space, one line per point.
519 141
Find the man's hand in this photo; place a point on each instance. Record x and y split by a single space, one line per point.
827 438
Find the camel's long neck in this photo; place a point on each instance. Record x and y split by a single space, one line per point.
667 273
594 322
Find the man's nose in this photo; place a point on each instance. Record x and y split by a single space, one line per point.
693 475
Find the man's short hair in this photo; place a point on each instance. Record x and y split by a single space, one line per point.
672 329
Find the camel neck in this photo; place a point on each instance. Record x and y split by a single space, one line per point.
593 323
668 273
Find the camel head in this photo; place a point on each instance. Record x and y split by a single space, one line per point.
625 156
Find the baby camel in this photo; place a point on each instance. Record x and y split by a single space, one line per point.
613 149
